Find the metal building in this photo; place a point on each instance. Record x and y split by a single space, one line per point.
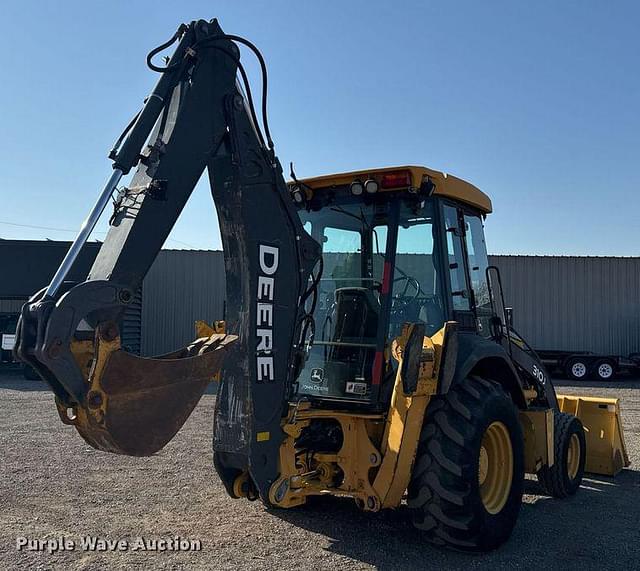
559 302
574 303
181 287
26 266
563 303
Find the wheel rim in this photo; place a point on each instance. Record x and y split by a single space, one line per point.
605 371
573 457
579 370
495 467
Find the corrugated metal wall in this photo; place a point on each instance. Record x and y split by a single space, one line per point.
131 325
181 287
574 303
11 305
28 265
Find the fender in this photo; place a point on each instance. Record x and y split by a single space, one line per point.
486 358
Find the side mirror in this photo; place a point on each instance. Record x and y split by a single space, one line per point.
501 319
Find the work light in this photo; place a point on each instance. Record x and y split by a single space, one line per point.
371 186
356 188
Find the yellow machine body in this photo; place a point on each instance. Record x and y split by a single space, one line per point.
375 462
378 452
446 185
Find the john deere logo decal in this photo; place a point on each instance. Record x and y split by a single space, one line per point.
317 375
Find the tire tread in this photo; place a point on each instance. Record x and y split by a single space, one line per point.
440 495
552 479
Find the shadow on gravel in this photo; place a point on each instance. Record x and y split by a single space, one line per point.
386 540
626 481
14 381
580 531
17 383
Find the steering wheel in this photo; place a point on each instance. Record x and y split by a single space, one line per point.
409 282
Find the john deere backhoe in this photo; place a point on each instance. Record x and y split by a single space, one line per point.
366 350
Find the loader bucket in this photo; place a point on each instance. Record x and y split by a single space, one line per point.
136 405
606 450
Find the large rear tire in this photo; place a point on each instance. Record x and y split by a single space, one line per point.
570 451
466 487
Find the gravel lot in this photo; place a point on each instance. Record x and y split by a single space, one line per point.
52 484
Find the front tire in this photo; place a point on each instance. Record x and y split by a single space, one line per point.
467 482
570 451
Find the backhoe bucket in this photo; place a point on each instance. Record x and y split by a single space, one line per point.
606 450
136 405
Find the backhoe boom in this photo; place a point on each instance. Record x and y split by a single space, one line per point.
196 118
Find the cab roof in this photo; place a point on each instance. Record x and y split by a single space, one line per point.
445 184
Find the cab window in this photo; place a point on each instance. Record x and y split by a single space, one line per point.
416 291
478 263
455 253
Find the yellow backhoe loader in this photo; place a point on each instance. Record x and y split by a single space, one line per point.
366 352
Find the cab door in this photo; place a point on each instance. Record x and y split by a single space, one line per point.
460 292
477 263
468 261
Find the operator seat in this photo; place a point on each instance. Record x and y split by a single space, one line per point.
356 316
356 313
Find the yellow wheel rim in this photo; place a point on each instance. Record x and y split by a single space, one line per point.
495 467
573 457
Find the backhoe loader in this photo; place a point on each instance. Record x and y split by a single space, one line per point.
365 351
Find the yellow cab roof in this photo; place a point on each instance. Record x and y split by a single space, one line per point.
445 184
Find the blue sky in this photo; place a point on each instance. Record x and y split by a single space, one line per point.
537 103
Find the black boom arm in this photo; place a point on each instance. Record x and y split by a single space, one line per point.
197 117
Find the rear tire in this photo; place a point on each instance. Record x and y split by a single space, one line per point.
460 494
569 449
576 368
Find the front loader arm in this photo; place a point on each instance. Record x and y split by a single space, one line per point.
196 118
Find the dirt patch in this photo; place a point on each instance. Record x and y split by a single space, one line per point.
53 485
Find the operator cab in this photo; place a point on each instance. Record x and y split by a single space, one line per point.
402 245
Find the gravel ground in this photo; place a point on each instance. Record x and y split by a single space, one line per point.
54 485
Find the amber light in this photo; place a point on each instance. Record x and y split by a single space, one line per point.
396 179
